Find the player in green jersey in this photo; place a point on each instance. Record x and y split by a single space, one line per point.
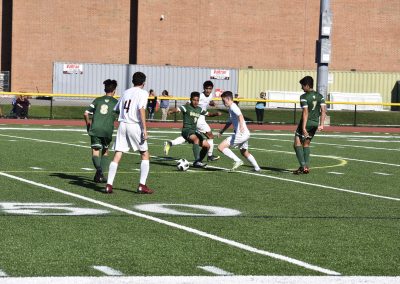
190 114
312 119
99 118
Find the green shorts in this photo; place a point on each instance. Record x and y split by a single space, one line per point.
186 133
311 129
100 142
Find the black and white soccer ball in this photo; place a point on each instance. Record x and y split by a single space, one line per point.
182 165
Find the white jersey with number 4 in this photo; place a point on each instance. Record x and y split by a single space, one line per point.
130 103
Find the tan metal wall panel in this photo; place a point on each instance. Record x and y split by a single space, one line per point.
253 81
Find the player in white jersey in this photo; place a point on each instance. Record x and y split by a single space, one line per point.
205 101
239 138
132 131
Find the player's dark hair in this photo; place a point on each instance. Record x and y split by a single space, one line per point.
109 86
194 94
227 94
307 81
165 92
138 79
151 91
207 84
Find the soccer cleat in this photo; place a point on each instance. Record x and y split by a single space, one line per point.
306 170
109 188
212 158
257 170
298 171
198 164
98 177
167 146
143 189
236 165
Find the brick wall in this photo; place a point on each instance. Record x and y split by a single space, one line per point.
266 34
45 31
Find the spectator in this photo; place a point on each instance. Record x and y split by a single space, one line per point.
164 105
151 104
22 106
260 106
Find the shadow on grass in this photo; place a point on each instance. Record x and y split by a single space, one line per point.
80 181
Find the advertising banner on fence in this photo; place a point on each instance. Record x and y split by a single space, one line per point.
219 74
72 68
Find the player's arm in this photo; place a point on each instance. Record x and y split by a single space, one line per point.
227 125
173 110
212 114
304 121
322 117
142 112
87 114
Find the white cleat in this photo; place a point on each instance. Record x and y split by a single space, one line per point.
236 165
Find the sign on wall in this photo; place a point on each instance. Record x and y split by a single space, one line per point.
72 68
219 74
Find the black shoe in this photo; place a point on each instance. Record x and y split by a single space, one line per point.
98 177
199 164
212 158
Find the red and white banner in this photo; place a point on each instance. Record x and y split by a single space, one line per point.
219 74
72 68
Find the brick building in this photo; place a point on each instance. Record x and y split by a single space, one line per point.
265 34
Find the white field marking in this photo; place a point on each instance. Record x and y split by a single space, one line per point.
372 141
36 168
3 274
87 169
336 173
181 227
332 144
108 270
279 146
311 184
215 270
333 157
262 175
242 279
12 140
321 135
383 174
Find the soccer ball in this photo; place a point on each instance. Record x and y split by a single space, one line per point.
182 165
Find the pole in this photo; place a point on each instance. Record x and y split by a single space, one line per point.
323 47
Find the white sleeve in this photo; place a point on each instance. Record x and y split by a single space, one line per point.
235 109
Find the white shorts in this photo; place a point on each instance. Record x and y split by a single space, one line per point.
202 125
130 135
239 140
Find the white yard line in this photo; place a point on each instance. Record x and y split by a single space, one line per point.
215 270
181 227
383 174
2 273
206 280
257 174
108 270
336 173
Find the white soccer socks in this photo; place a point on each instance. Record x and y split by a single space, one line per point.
144 171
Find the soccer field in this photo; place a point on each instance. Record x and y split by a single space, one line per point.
342 219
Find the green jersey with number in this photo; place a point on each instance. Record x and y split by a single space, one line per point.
190 115
313 101
103 118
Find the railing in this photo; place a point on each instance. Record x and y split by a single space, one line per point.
55 101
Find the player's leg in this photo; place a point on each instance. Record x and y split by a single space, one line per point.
168 144
224 147
306 147
204 128
298 148
144 173
245 153
112 171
